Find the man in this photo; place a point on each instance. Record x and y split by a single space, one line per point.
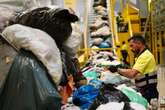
124 52
144 69
119 21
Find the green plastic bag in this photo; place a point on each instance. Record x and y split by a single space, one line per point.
28 86
90 74
135 97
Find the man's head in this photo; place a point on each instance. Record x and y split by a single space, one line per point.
137 43
119 13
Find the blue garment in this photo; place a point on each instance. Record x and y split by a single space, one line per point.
85 96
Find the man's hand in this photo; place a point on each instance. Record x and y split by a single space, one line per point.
113 68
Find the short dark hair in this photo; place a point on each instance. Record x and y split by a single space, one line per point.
137 37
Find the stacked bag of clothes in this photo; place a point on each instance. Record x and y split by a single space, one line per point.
43 69
7 53
100 33
7 14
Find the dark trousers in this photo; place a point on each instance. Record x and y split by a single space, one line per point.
149 92
124 55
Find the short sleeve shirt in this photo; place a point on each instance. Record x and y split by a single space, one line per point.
145 63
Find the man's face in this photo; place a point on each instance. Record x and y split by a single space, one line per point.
135 46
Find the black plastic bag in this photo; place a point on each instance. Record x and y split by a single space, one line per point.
74 68
55 22
65 73
28 86
70 66
108 94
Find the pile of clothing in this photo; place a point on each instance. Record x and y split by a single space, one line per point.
41 65
104 89
100 32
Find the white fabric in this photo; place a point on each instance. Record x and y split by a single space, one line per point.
38 42
97 41
110 78
114 62
6 13
137 106
120 106
103 31
70 107
98 22
100 8
107 53
72 44
111 106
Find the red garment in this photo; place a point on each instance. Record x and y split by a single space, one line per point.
66 91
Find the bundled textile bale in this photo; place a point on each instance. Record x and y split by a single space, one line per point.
35 66
28 86
38 42
72 44
97 41
99 23
103 31
54 21
6 13
7 55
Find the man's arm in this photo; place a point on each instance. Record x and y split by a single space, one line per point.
129 73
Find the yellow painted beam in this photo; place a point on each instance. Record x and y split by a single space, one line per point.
70 4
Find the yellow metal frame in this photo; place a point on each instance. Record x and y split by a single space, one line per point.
130 14
70 4
86 51
157 37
